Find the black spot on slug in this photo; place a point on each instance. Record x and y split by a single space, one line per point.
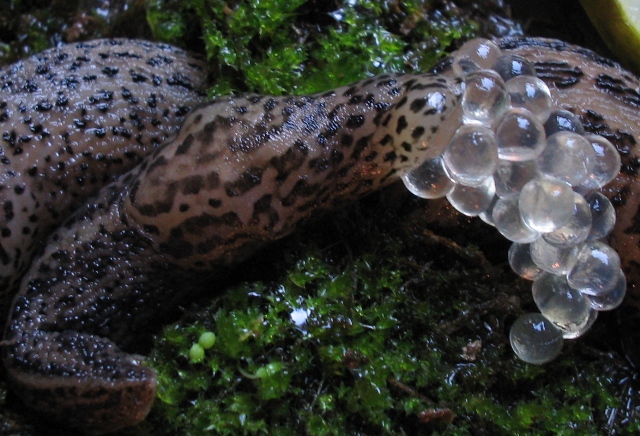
402 124
355 121
417 105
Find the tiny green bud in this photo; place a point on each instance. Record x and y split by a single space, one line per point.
196 353
207 339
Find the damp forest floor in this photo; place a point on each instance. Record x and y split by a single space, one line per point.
390 316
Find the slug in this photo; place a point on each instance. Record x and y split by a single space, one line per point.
74 118
241 172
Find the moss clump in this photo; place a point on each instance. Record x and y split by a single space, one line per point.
285 46
331 347
387 332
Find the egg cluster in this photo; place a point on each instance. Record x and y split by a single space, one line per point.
530 170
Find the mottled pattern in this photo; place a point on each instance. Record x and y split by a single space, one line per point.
203 200
71 120
241 172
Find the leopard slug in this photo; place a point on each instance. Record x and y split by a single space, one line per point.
74 118
241 172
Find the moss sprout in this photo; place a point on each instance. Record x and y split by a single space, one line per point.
207 340
196 353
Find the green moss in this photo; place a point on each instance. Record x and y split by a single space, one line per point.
285 46
326 364
367 338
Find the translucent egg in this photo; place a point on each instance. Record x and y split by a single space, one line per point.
612 299
596 269
577 229
568 157
603 215
510 177
510 66
472 200
487 214
552 259
530 93
519 135
478 53
576 333
607 164
471 156
535 339
564 306
508 221
521 262
563 121
485 98
429 180
546 204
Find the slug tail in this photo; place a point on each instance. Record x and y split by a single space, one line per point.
84 379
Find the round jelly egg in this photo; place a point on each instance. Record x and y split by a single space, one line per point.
577 229
475 54
510 177
530 93
510 66
485 98
564 306
471 156
487 214
579 331
612 299
508 221
472 200
519 135
603 215
607 163
429 180
521 262
535 339
550 258
568 157
546 204
563 121
596 269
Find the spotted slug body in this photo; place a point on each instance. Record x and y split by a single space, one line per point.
241 172
244 171
71 120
